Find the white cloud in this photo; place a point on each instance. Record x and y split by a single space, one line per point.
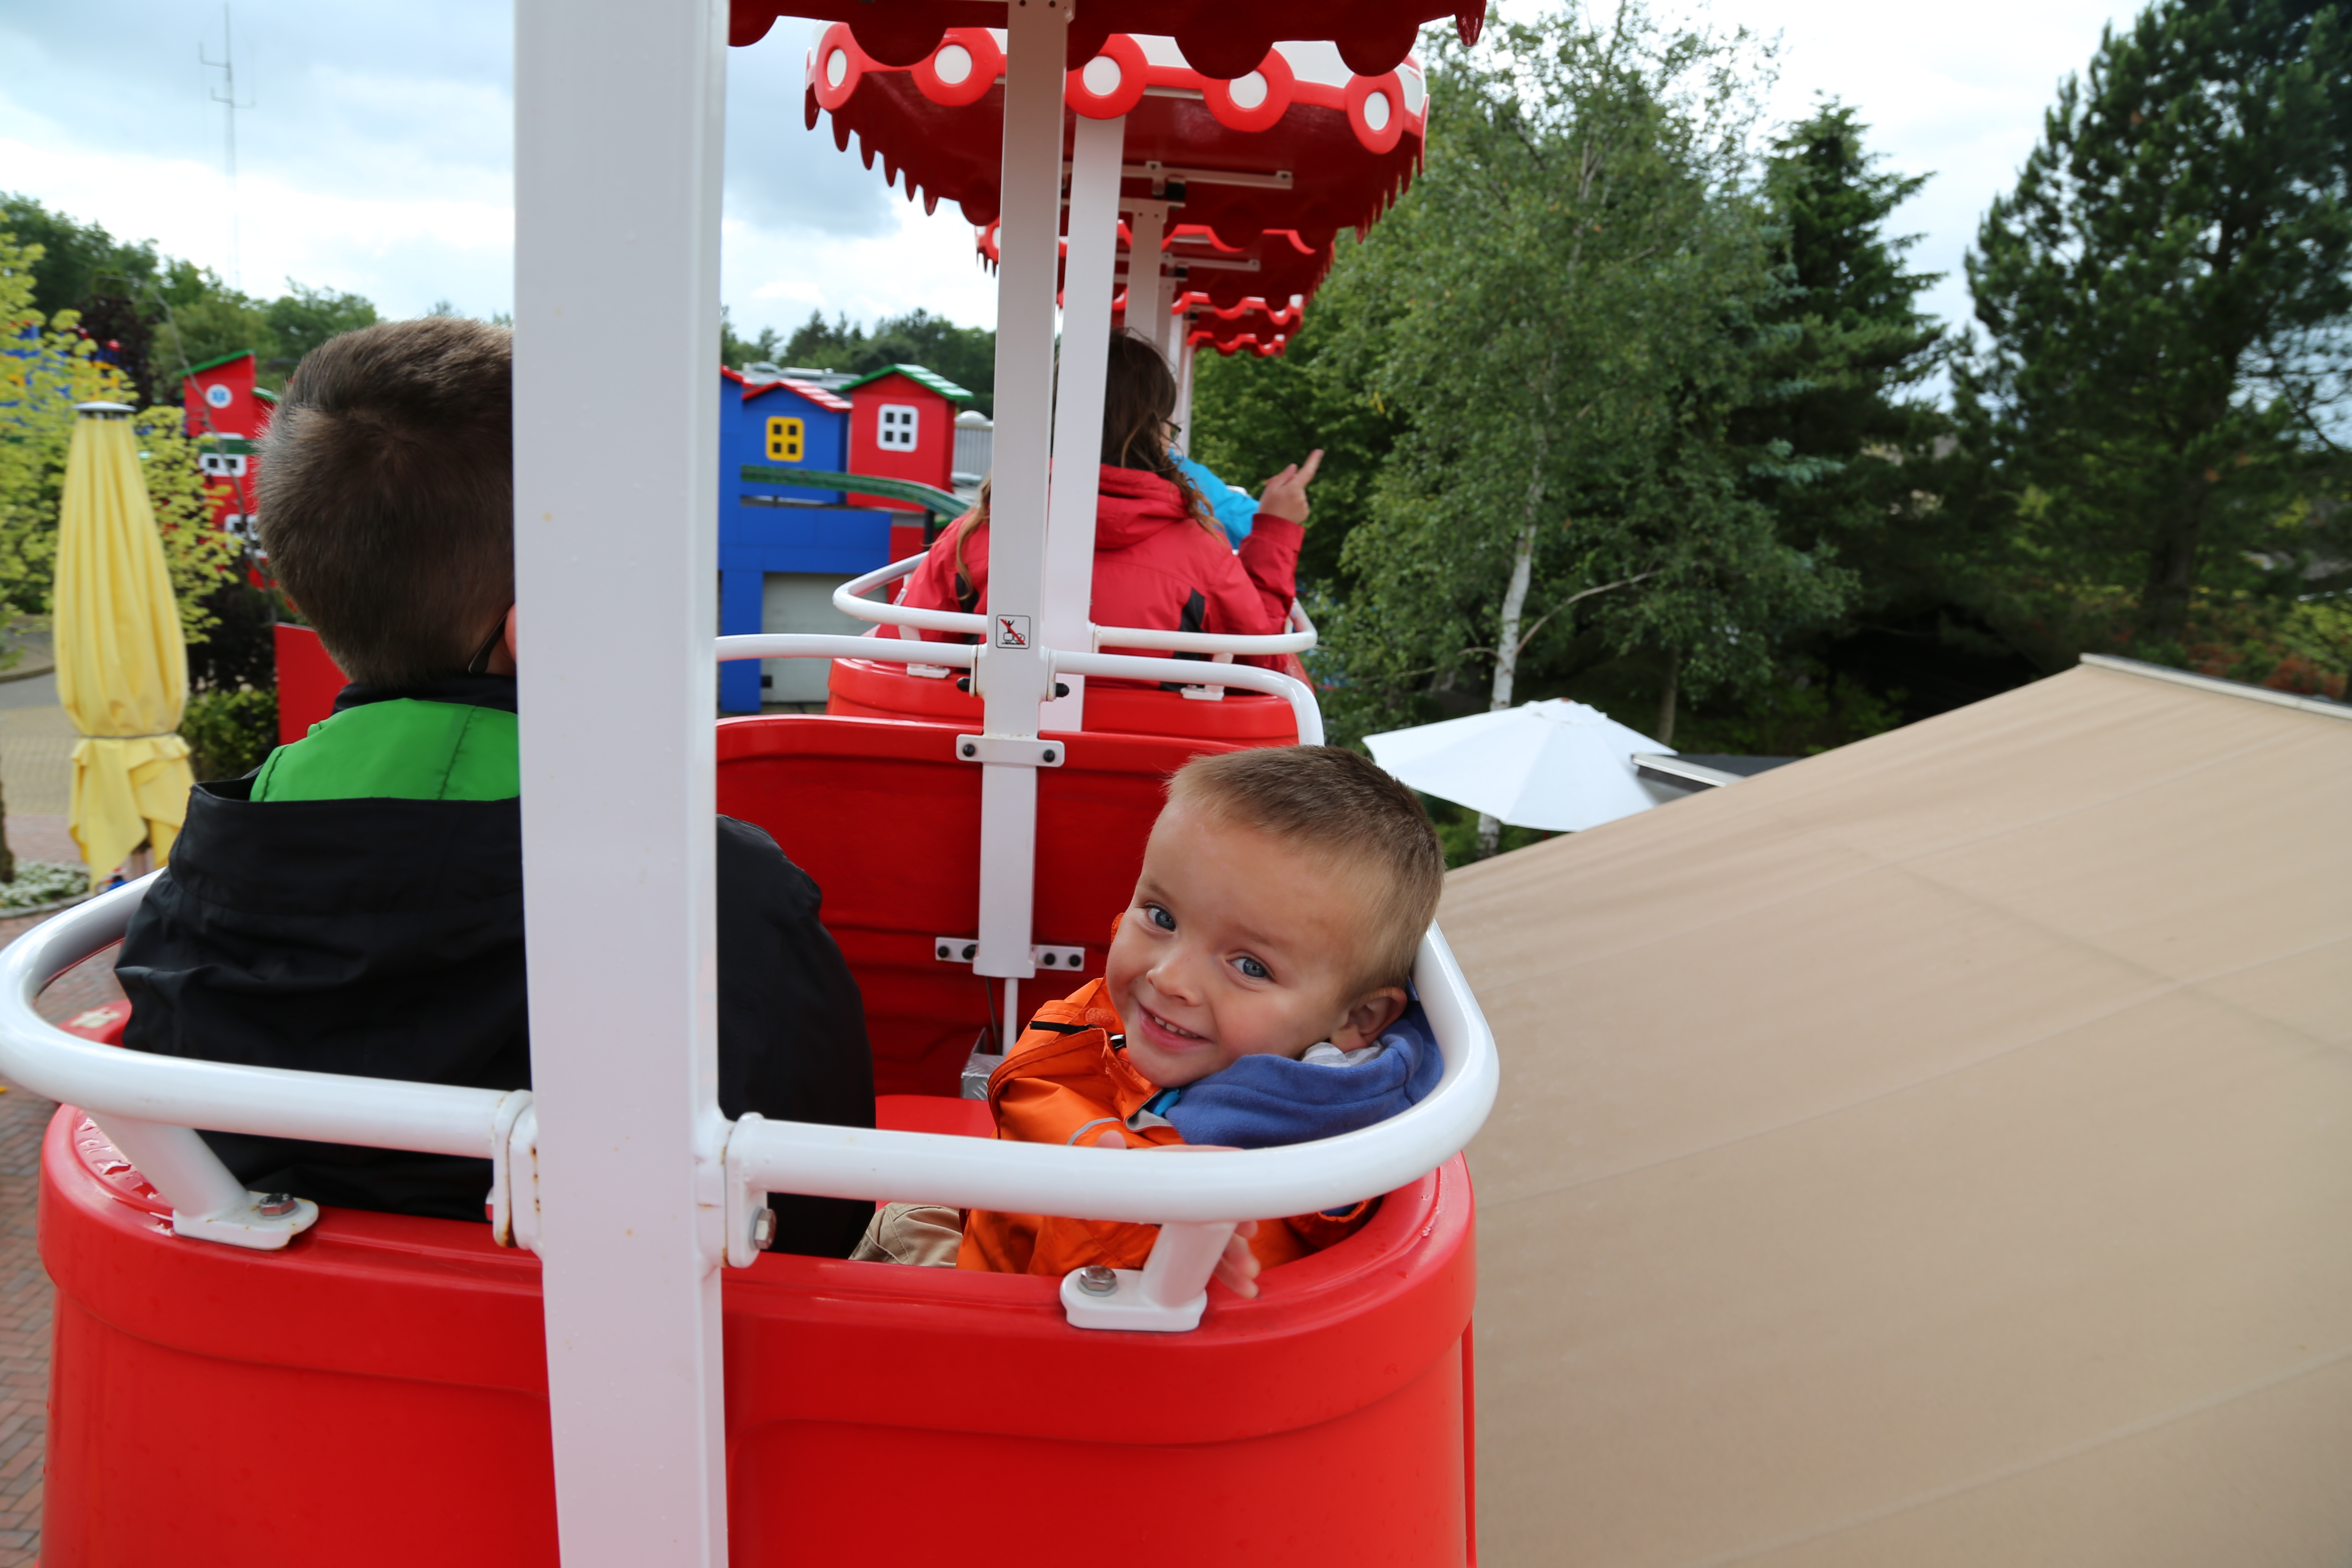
1958 94
379 156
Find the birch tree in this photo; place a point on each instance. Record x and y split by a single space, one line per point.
1556 313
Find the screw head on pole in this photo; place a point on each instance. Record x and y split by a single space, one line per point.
1097 1280
276 1205
763 1227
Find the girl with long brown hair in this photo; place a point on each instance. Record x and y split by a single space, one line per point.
1161 558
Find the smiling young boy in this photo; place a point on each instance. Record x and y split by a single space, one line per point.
1255 994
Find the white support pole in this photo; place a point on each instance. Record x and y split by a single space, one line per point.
1146 305
1163 324
1087 287
616 240
1012 675
1183 442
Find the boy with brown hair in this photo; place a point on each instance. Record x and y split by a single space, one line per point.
1257 993
356 904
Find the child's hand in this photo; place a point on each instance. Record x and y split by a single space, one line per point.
1237 1269
1286 493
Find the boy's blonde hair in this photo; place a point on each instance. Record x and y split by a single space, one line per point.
1341 809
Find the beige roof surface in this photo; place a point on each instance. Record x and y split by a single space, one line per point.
1936 1152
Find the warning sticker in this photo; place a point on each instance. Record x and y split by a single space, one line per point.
1012 631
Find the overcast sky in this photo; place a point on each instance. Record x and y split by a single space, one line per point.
376 156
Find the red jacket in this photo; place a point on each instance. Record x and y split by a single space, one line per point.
1155 566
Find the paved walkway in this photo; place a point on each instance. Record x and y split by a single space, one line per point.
24 1285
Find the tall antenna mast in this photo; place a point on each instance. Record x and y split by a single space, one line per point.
226 95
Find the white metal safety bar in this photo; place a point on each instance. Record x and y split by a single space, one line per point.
968 656
850 601
147 1105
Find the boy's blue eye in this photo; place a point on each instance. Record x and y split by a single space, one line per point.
1160 916
1253 969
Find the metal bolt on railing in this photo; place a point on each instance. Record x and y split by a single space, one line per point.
1095 1279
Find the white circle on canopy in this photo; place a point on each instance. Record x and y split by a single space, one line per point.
1101 76
836 67
953 63
1376 110
1247 91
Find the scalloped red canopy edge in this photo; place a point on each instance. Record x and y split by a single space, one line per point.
1219 40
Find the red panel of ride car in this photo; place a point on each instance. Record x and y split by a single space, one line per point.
374 1396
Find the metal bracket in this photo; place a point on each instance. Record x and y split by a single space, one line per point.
751 1224
505 1155
1166 1296
1011 751
964 949
265 1222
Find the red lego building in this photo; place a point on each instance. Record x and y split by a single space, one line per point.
226 416
902 427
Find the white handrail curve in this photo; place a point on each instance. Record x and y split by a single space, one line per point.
269 1102
765 1156
1128 666
850 600
819 644
1104 1183
846 599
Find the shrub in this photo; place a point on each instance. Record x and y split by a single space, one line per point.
229 732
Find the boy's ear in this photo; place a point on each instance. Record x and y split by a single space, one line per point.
1370 1015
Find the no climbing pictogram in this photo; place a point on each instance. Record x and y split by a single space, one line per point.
1012 631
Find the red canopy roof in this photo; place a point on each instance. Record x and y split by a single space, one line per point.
1300 143
1274 265
1221 37
1256 325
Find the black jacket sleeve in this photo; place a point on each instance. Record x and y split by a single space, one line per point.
792 1026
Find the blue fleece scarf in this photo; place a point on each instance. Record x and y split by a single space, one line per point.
1260 1101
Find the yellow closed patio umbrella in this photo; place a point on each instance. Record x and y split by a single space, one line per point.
122 667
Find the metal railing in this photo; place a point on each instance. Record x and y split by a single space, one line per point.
850 600
147 1106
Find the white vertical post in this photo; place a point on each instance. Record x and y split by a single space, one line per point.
1012 672
1146 307
616 240
1086 289
1183 442
1163 325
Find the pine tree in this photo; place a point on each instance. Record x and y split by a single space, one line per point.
2178 249
1845 346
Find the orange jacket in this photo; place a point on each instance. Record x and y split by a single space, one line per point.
1066 1081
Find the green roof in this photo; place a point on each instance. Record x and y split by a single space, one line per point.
263 394
919 376
224 359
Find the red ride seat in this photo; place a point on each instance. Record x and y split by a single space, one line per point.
374 1396
885 816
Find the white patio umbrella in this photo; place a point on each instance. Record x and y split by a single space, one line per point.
1554 764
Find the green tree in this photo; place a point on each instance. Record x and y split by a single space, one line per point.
1844 349
965 355
302 319
1251 416
77 259
2162 298
1557 311
735 352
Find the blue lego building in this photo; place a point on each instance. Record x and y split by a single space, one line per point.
804 539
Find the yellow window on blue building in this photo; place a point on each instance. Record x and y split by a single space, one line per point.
784 440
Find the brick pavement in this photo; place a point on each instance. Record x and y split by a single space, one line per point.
24 1284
